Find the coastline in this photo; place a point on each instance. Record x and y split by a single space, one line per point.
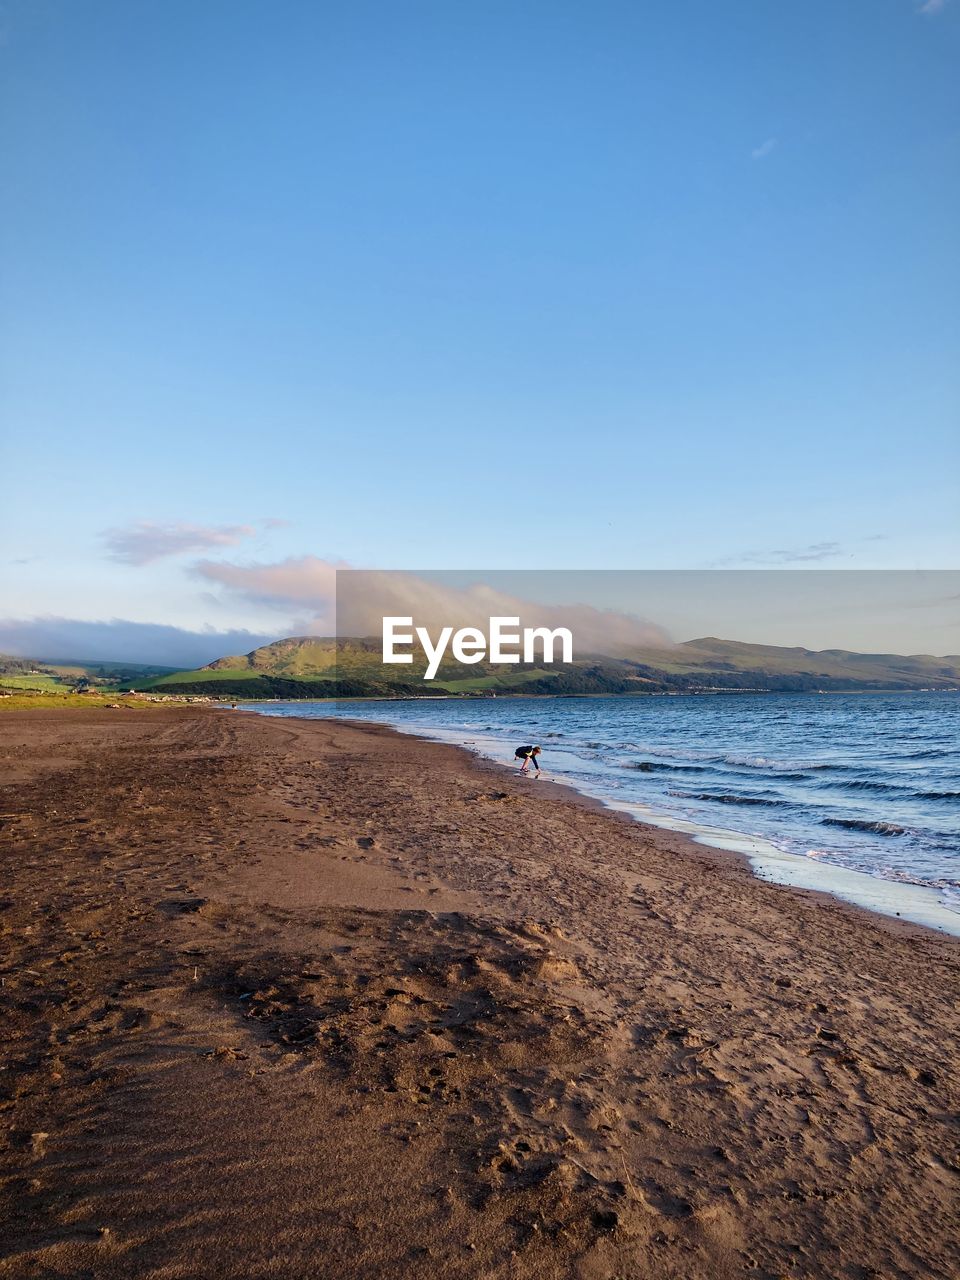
431 1019
893 898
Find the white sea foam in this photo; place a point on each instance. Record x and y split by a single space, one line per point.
849 796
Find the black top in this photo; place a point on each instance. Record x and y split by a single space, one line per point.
525 753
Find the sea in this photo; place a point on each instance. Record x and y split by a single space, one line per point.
856 795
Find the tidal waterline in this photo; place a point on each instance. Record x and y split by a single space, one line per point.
854 794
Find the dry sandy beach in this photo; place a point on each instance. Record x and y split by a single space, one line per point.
303 998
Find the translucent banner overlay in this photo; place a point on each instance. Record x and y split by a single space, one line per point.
567 632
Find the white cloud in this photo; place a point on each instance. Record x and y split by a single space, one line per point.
145 541
299 580
764 149
303 587
119 640
308 586
932 7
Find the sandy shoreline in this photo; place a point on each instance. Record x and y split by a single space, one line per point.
895 898
307 998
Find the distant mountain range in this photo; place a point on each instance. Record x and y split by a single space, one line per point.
309 667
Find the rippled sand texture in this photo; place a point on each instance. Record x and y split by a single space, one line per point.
310 999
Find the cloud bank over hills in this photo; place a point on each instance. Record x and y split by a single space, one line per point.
119 640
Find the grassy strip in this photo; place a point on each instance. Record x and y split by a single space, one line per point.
61 701
37 683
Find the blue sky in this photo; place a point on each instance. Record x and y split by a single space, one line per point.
439 285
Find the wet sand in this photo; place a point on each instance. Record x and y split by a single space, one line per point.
303 998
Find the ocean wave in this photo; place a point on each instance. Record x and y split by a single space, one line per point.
729 798
758 762
792 769
672 753
891 788
949 888
722 760
864 824
829 766
780 775
905 877
729 766
657 766
866 784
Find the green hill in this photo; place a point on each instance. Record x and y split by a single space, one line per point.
299 658
311 667
37 675
710 655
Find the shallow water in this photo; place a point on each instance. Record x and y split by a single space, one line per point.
863 783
